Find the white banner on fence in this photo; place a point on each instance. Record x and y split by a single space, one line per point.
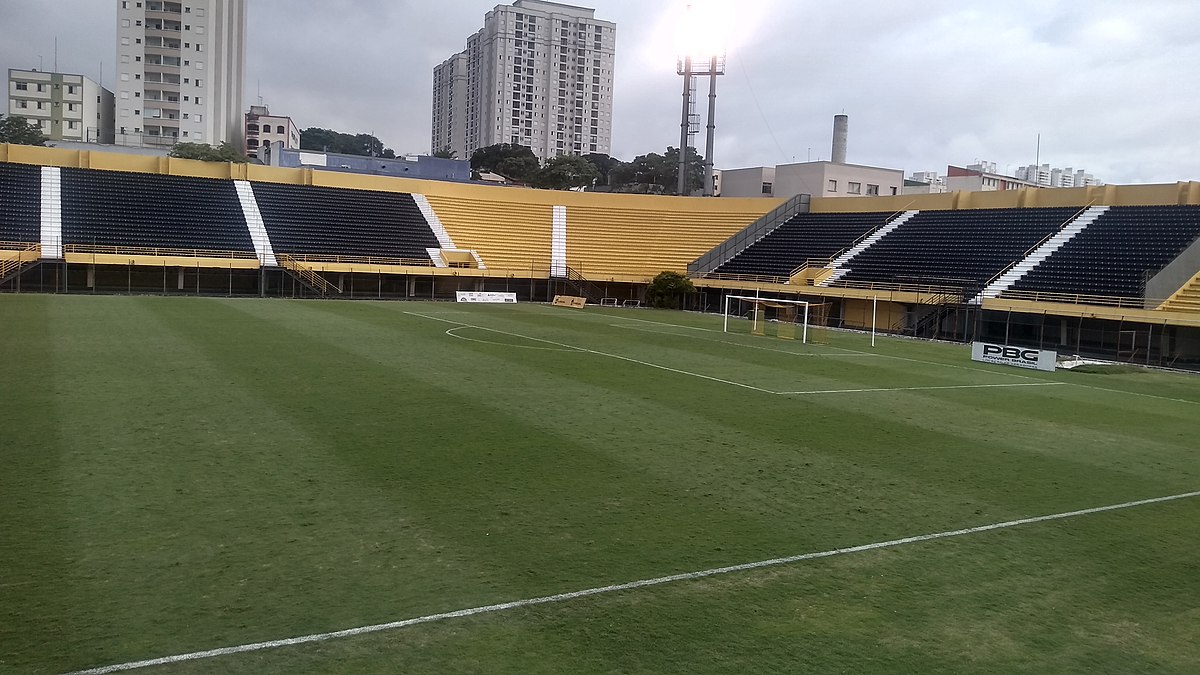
485 296
1007 355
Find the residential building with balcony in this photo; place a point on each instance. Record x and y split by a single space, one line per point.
264 130
65 107
538 74
180 72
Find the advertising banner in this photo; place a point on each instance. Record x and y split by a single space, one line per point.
485 296
1007 355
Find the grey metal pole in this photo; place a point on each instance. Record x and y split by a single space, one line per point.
685 124
712 127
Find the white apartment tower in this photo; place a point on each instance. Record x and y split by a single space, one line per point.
538 74
180 68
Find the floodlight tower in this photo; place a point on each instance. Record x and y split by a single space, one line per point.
690 66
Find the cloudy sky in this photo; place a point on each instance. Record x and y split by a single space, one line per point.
1110 85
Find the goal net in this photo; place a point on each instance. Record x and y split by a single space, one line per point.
777 317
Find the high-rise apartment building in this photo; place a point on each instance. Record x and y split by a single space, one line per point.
538 74
65 107
180 68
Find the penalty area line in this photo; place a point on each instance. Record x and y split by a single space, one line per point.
613 588
931 388
564 345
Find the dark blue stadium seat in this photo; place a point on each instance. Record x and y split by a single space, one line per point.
803 237
334 221
963 247
20 203
1117 253
117 208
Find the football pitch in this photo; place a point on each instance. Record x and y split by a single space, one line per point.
272 486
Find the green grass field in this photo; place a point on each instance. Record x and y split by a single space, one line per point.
181 474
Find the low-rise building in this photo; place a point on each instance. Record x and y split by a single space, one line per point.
981 177
266 130
64 106
820 179
410 166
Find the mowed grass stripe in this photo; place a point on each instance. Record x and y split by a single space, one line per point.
745 568
382 459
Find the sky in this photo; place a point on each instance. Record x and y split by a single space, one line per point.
1108 85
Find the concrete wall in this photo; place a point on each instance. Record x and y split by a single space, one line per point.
747 182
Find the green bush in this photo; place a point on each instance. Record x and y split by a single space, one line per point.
667 290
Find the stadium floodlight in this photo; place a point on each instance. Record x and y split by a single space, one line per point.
701 51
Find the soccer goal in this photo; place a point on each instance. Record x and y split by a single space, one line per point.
777 317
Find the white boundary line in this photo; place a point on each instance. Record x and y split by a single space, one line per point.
599 590
946 386
598 353
451 333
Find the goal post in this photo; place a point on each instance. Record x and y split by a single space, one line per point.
776 317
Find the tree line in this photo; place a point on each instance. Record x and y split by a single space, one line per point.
652 173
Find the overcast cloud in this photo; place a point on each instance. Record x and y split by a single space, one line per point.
1109 84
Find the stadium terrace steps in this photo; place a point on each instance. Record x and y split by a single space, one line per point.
1186 299
635 244
51 235
508 236
254 222
1116 254
1048 247
435 223
838 264
20 203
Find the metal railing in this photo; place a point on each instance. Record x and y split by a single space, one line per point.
1079 299
306 274
100 249
361 260
8 267
725 251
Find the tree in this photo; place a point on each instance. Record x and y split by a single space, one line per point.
667 290
18 130
328 140
658 174
445 153
226 152
565 172
604 164
511 161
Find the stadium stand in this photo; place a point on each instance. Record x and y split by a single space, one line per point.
508 235
1116 254
960 247
20 203
805 236
635 244
116 208
325 221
